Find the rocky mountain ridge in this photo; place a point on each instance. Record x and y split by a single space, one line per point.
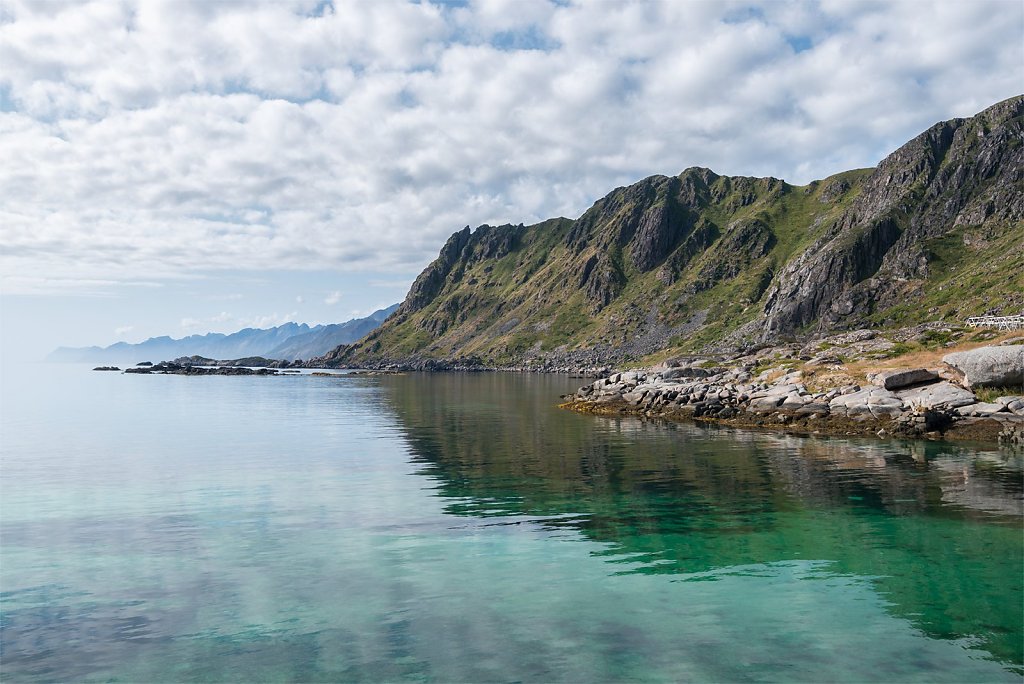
702 262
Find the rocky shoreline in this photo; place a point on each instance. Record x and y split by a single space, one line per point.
811 388
911 402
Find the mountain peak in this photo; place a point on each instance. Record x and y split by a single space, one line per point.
704 261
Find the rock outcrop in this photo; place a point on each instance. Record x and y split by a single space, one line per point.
990 366
734 396
957 173
897 379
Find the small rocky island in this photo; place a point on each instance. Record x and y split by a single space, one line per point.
203 366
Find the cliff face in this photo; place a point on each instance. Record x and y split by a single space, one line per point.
957 174
699 260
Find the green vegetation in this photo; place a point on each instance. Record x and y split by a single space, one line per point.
899 349
679 265
990 394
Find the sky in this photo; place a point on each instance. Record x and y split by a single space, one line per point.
171 168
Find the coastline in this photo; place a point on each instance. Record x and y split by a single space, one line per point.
983 430
914 404
848 385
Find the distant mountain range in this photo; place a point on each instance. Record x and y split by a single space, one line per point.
289 341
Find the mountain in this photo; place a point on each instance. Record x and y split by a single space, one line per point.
701 261
288 341
320 340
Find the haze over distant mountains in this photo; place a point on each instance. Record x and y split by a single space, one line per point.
289 341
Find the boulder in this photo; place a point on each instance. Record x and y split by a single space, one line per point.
981 409
870 401
937 396
898 379
990 366
633 398
688 372
795 401
813 408
765 403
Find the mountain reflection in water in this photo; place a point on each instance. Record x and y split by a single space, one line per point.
464 528
935 527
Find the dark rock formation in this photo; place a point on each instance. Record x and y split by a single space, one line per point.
602 280
959 172
462 249
175 368
429 283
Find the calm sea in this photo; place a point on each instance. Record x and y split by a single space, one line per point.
463 528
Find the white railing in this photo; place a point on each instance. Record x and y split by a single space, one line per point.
998 322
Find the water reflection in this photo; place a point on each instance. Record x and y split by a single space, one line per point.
462 528
934 527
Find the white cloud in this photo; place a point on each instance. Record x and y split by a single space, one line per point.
156 139
123 330
269 321
299 299
228 322
332 298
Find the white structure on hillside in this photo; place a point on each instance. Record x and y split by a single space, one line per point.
998 322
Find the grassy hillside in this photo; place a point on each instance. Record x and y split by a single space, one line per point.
699 261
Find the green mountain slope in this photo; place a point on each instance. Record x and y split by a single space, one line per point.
700 261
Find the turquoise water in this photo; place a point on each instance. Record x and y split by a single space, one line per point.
462 528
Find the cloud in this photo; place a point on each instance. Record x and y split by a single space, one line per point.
332 298
299 299
269 321
123 330
228 322
158 139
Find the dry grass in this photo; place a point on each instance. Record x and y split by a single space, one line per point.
820 379
925 358
856 372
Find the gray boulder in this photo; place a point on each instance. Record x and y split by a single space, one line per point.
990 366
937 396
981 409
765 403
897 379
1014 405
869 402
686 372
633 398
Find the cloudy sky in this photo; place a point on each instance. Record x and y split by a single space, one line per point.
179 167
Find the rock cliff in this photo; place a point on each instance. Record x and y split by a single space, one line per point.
959 173
701 261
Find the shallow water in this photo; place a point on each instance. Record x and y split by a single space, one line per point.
462 528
